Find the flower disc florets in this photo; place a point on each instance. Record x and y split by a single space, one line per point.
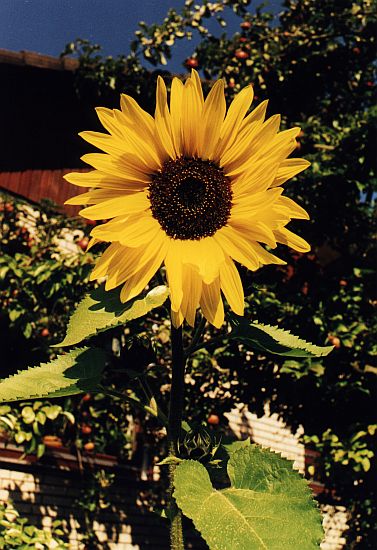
190 198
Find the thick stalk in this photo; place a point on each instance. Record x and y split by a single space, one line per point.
174 430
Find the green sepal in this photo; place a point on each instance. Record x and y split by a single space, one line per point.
74 372
169 460
272 339
102 310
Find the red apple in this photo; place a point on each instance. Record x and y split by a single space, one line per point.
85 429
213 419
334 340
241 54
83 243
191 62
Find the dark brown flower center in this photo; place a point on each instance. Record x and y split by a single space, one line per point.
190 198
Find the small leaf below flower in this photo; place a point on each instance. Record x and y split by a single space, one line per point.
102 310
272 339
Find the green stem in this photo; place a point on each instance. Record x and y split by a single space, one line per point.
174 430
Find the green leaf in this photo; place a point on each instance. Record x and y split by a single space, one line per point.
28 415
102 310
268 505
41 417
75 372
234 446
28 330
52 411
8 422
14 314
271 339
70 416
20 437
40 450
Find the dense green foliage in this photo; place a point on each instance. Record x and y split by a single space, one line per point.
43 273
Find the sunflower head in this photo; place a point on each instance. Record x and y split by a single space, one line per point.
195 188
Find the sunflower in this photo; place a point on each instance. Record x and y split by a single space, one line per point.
196 188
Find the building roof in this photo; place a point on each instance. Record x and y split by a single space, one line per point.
34 59
41 115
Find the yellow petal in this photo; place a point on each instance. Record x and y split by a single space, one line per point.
231 286
192 284
136 117
142 124
205 255
233 120
213 117
106 143
95 178
198 86
279 147
250 152
107 119
212 304
102 264
254 230
176 95
237 247
247 205
285 236
139 281
250 126
257 115
96 196
174 275
162 118
294 210
139 145
177 318
265 257
126 204
288 169
92 243
258 177
122 167
131 231
123 266
192 109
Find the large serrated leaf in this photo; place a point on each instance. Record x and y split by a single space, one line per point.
268 506
101 310
272 339
75 372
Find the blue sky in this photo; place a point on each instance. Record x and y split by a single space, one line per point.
46 26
